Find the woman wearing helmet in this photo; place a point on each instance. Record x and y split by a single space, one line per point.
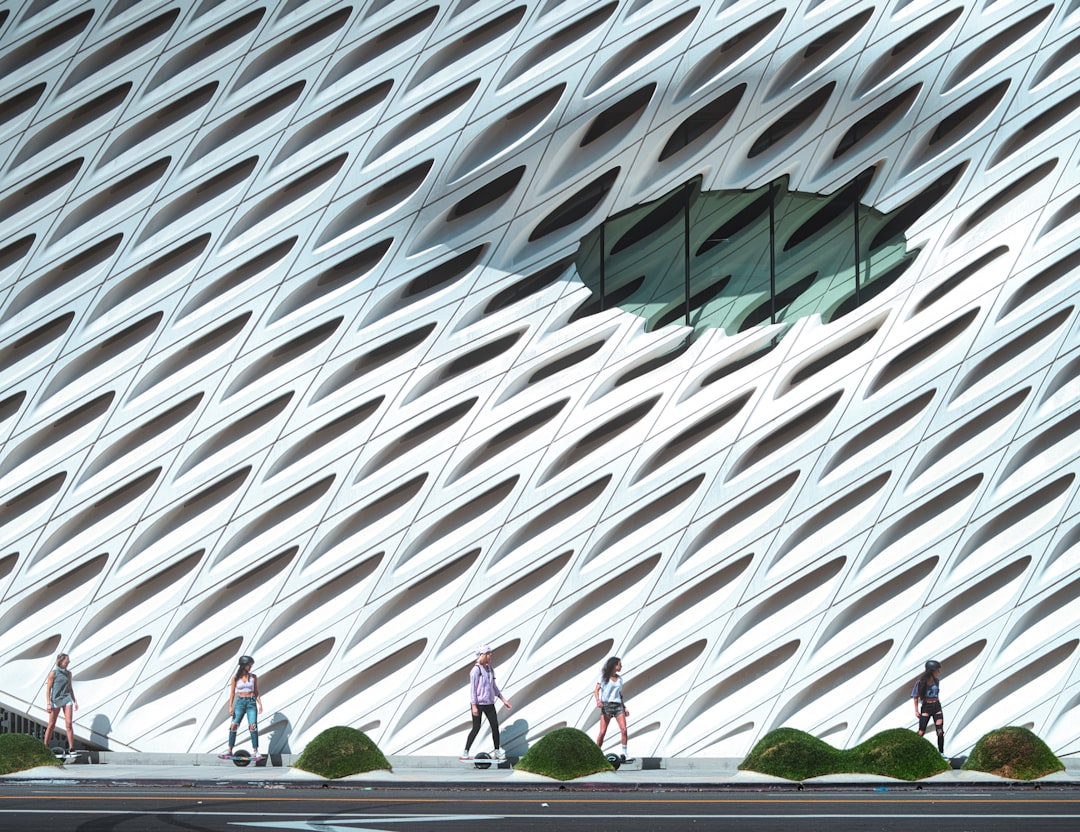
483 691
928 705
244 699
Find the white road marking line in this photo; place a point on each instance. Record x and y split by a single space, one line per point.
339 819
334 824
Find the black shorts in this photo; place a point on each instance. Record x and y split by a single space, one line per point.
611 709
931 712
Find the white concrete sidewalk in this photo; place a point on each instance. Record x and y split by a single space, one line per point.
277 771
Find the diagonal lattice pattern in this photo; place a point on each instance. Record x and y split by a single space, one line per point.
295 361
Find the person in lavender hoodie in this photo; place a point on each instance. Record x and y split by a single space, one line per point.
483 691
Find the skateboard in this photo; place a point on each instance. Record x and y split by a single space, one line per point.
65 756
484 760
242 757
617 760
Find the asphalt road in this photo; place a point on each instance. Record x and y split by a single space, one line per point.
106 808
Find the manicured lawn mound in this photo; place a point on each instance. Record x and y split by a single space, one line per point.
564 754
898 753
793 755
341 751
796 755
1013 752
18 752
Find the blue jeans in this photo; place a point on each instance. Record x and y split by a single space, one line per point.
245 705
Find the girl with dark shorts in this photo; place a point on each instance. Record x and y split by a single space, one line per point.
609 700
926 695
60 698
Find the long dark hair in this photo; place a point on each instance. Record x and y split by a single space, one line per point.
245 665
608 669
925 680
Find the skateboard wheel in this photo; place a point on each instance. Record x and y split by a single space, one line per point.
615 761
241 758
483 755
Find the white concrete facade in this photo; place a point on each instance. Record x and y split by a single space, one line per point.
290 366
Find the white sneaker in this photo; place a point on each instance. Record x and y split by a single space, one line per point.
499 754
465 755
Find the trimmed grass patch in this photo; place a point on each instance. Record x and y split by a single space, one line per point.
341 751
793 755
564 754
18 752
898 753
1013 752
796 755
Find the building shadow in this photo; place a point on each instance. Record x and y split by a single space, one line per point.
515 738
100 728
280 732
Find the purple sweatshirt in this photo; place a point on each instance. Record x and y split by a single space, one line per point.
482 687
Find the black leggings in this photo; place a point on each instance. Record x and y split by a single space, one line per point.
932 710
493 721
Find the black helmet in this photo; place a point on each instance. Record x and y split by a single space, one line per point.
933 665
246 660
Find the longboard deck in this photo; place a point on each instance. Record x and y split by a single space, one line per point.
618 760
483 760
65 756
242 758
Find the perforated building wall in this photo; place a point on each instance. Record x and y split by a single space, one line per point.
296 362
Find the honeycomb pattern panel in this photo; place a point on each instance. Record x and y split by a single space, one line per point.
295 360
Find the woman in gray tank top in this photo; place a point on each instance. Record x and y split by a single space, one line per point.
60 696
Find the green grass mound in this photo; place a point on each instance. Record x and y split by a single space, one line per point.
793 755
341 751
18 752
796 755
898 753
1013 752
564 754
